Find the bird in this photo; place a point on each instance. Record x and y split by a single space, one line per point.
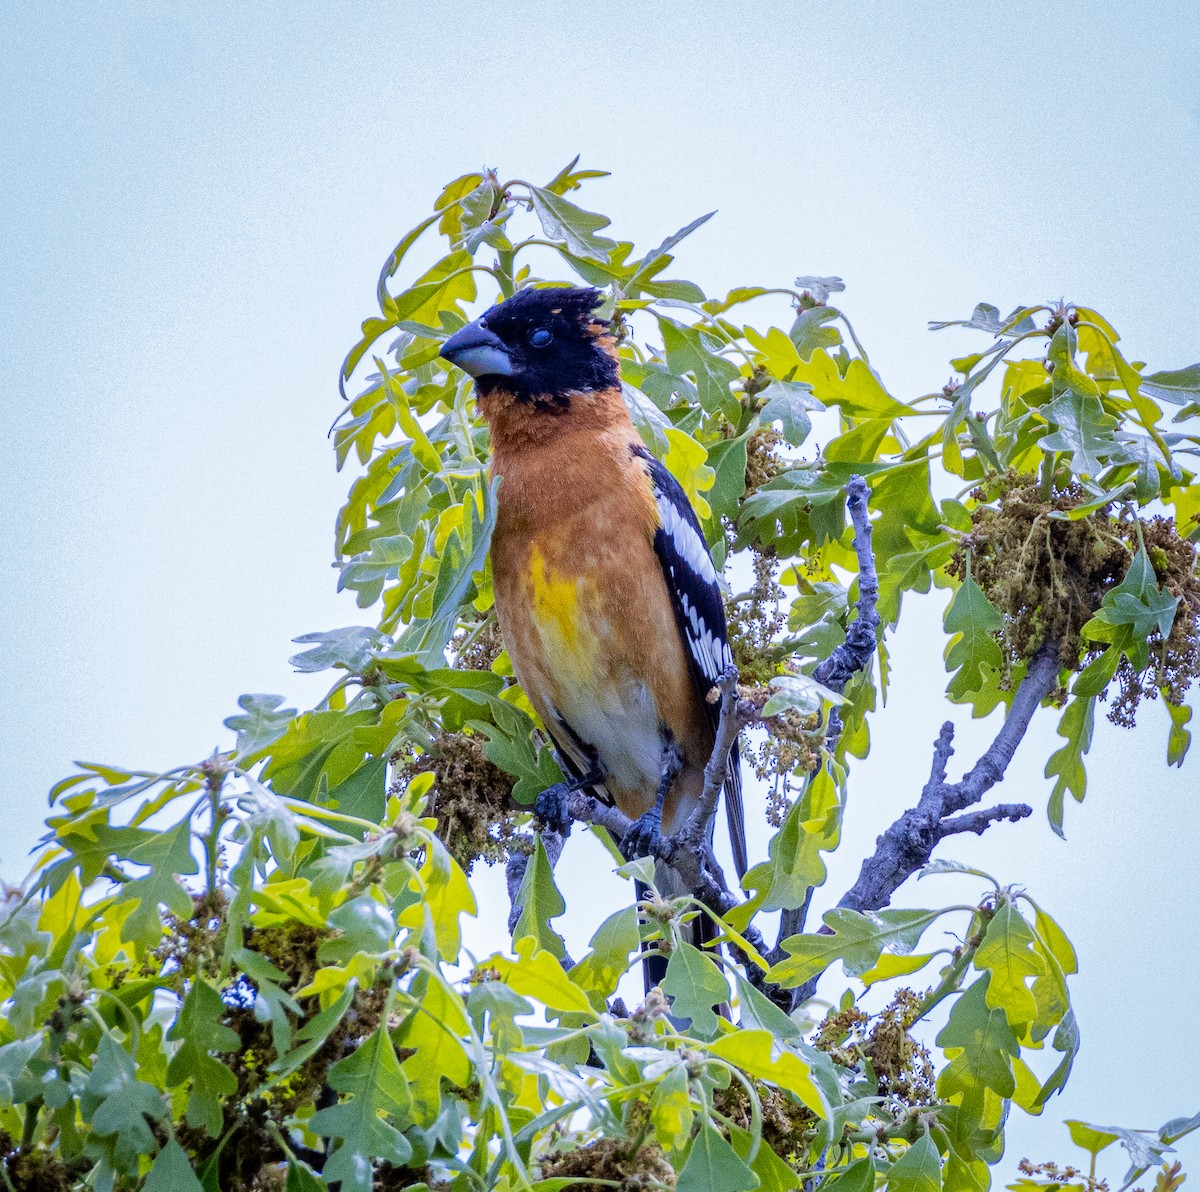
607 597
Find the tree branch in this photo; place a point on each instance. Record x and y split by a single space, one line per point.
856 652
907 844
846 660
979 821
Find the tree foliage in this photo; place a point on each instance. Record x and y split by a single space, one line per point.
248 972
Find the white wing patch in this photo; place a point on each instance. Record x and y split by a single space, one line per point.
688 544
696 594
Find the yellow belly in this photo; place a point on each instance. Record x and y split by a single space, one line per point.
563 608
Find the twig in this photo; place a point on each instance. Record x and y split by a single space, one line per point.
856 652
907 844
846 660
979 821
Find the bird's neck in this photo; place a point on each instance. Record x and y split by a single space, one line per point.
554 463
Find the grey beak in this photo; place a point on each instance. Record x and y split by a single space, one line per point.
478 351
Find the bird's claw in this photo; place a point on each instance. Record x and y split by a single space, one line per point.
553 808
643 837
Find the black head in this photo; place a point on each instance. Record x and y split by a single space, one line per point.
539 345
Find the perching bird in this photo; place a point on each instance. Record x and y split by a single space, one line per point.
606 593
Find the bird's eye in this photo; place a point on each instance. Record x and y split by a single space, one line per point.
540 338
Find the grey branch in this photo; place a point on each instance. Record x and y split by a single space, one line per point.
847 659
979 821
906 846
855 653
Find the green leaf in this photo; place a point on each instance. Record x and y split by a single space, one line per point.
199 1031
1066 1041
301 1178
671 1109
169 856
857 940
1093 1139
811 826
717 306
1180 737
973 619
540 901
1137 601
888 967
986 317
858 1177
263 723
758 1053
919 1169
728 461
272 1000
171 1171
980 1045
657 259
713 1164
537 973
378 1096
14 1057
1098 673
117 1104
362 925
363 793
1177 1128
695 985
434 1030
397 255
1179 387
859 392
312 1035
569 178
788 403
800 693
687 352
1066 763
809 331
501 1004
758 1012
649 421
352 649
464 555
685 461
1008 954
1082 429
562 220
603 967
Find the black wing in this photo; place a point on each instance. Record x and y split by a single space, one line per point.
692 581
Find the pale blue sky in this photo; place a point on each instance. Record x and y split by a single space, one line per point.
194 203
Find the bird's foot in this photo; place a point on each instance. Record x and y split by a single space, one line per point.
644 836
553 808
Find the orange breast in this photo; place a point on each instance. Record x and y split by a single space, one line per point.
589 625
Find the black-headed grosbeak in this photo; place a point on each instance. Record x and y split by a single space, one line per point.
606 593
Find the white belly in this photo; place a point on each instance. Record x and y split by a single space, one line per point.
620 722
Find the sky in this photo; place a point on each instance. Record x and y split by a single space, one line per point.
194 205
